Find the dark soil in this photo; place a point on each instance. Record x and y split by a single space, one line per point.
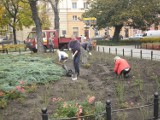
98 80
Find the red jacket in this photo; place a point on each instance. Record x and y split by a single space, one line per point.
120 64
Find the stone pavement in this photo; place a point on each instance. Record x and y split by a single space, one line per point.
131 51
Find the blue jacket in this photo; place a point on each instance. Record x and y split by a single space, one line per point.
75 46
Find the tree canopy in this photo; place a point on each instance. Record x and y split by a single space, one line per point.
116 13
16 14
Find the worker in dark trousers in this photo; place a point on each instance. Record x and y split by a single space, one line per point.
121 67
86 49
75 45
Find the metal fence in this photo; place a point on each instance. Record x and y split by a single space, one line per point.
150 111
132 51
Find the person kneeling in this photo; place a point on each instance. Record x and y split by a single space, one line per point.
63 56
121 67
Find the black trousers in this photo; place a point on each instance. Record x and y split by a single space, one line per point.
125 72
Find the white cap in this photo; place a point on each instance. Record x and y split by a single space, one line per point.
116 58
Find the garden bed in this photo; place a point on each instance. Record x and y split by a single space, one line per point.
99 81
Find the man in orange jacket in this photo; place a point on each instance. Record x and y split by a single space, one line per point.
121 67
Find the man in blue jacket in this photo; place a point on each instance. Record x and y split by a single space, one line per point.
75 45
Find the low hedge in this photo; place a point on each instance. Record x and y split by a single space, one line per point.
150 40
118 43
127 42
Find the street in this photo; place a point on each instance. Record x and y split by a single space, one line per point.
131 51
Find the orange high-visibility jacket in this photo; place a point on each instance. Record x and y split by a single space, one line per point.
120 64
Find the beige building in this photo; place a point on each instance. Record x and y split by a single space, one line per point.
70 13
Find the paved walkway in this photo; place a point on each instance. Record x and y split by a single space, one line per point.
131 51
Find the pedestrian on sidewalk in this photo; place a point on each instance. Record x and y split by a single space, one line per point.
121 67
51 44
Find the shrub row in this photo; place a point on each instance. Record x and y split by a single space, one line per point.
149 40
128 42
117 43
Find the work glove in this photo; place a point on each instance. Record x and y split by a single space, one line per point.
90 53
72 56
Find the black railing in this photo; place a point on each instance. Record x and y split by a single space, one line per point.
142 54
107 114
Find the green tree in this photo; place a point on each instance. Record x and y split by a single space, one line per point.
2 12
17 14
2 22
117 13
43 16
144 13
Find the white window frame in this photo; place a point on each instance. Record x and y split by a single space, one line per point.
85 5
76 31
74 5
74 17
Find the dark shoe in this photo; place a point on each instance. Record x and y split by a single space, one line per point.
78 74
126 76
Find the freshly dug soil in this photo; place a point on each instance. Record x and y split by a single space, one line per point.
98 79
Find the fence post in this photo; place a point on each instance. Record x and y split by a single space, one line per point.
123 52
103 49
151 55
131 53
141 54
109 50
19 50
116 50
44 114
156 106
152 46
108 110
98 48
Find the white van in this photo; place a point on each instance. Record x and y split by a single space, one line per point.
136 37
152 33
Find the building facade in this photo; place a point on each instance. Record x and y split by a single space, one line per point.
71 23
70 12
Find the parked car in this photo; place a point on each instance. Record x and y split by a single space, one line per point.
98 37
136 37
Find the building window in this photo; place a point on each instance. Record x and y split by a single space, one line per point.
74 18
74 5
75 31
64 33
85 5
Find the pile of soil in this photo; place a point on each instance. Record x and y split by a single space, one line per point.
99 80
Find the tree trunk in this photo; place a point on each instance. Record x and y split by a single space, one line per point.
54 5
37 22
116 36
56 14
14 35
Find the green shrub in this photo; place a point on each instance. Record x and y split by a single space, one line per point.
128 42
75 108
31 69
118 43
150 40
3 103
